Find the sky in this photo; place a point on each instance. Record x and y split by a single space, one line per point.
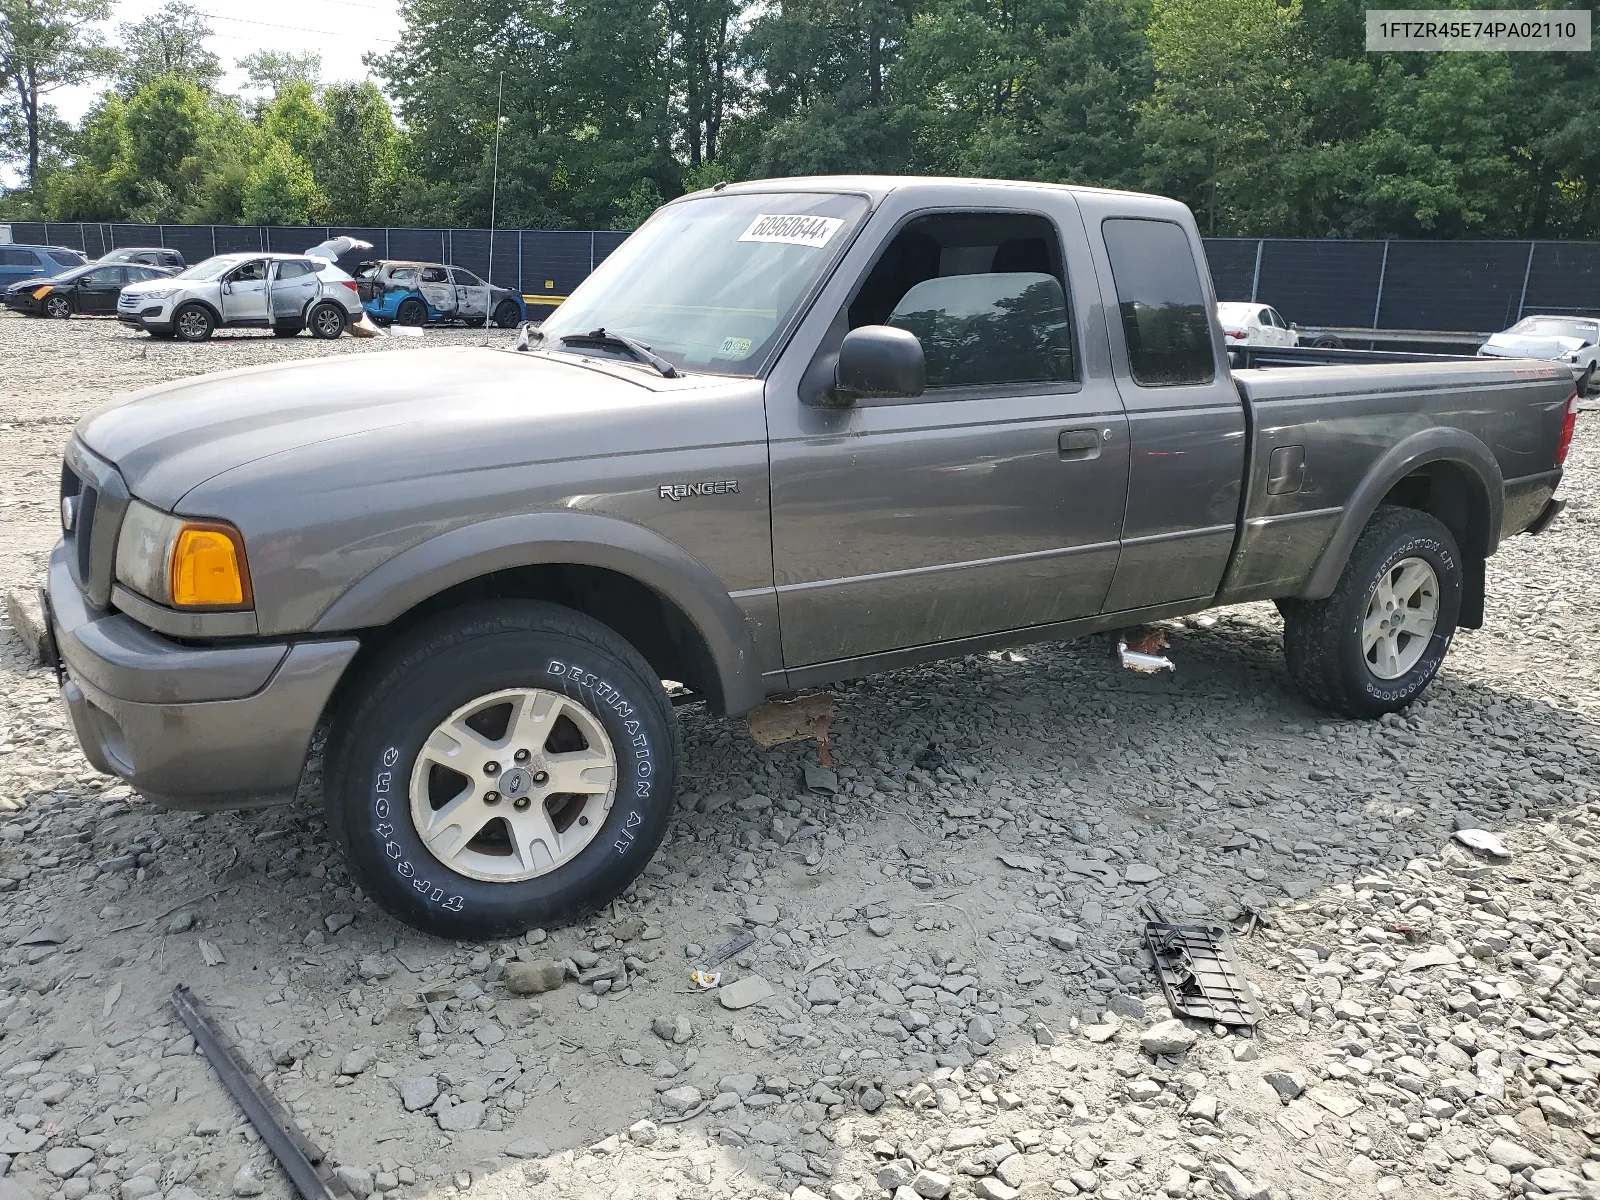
340 30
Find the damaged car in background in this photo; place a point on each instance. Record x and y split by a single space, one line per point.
286 293
422 293
1572 341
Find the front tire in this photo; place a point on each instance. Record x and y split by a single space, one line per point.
327 321
193 323
58 308
544 697
1373 645
507 314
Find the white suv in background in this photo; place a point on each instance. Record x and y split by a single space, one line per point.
282 292
1255 325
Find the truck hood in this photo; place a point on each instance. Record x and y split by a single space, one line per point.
1505 345
168 440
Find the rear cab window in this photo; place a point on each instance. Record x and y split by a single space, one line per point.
1161 302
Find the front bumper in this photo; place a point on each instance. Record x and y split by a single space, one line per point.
192 727
25 304
153 316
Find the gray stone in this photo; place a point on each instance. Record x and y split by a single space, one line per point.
528 1147
181 922
823 990
357 1061
1288 1084
358 1180
980 1031
1141 873
462 1117
1168 1037
681 1098
337 921
1511 1156
930 1185
374 968
533 978
1237 1186
880 926
22 607
418 1091
247 1181
642 1133
742 993
762 914
64 1161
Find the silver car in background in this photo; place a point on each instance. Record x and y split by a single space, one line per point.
1572 341
282 292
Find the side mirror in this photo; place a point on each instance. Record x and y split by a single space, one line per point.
1294 326
880 361
227 287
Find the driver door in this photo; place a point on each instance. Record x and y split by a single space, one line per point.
472 295
98 290
437 289
244 293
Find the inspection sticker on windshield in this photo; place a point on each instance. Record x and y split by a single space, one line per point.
792 229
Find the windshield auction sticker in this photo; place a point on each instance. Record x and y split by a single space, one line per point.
1435 29
793 229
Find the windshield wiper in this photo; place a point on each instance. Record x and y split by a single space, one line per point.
621 341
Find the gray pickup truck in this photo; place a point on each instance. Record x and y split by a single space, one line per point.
790 433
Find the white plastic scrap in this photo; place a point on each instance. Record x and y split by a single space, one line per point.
1483 841
705 980
1145 664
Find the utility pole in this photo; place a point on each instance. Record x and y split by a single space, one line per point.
494 197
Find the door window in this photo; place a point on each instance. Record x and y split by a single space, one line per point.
1162 304
105 277
250 272
1276 318
435 275
293 269
985 293
403 276
467 278
15 258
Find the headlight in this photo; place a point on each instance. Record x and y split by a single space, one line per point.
157 294
181 562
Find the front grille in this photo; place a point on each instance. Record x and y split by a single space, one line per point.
91 542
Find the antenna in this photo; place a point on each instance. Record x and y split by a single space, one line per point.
494 196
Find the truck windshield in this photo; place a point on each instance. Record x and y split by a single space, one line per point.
710 284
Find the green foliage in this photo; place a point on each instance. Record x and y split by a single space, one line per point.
1266 116
170 41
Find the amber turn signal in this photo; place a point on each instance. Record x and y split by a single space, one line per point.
208 569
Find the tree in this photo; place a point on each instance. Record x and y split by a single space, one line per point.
170 41
45 45
297 119
359 153
281 189
275 70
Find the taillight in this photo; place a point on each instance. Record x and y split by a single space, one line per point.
352 285
1233 333
1567 428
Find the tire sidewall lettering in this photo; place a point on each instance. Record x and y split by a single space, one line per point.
1409 686
597 693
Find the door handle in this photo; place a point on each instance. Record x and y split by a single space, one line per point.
1079 445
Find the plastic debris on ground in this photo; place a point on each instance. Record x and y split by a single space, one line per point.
1137 650
729 948
1483 842
1199 974
705 980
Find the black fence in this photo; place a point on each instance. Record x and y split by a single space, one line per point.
1462 286
535 262
1424 285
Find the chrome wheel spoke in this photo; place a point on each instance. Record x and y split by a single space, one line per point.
533 716
1401 618
535 840
452 828
582 772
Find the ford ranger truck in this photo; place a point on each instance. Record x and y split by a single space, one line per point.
791 433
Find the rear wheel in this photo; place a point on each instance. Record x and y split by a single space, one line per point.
507 314
327 321
1377 641
57 307
411 312
507 765
193 323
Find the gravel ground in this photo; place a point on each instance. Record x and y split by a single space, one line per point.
947 995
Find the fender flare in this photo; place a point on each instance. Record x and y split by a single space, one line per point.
216 313
566 538
1439 444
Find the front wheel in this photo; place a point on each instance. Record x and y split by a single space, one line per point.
1373 645
327 321
57 307
505 766
507 314
193 323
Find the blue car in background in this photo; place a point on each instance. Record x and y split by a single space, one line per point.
35 262
418 293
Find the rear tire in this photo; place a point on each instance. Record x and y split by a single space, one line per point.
327 321
1363 652
514 853
193 323
411 312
